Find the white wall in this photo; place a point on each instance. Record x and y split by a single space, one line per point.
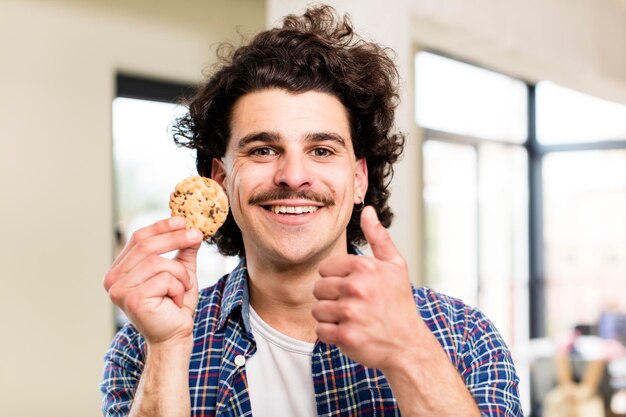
58 61
580 44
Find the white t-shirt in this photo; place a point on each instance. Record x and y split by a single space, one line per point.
279 373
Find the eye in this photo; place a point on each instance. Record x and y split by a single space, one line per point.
321 152
263 151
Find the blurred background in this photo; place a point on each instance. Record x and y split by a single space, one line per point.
511 193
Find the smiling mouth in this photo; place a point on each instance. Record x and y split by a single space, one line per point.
299 202
291 209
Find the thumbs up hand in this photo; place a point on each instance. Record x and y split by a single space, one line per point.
365 305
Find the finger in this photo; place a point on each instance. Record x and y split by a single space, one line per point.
156 289
162 226
176 291
146 269
326 311
378 238
169 287
327 332
160 244
164 285
189 255
328 288
154 265
338 266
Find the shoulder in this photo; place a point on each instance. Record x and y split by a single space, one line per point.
128 349
476 348
441 309
463 331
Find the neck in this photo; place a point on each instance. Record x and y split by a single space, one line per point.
283 299
282 294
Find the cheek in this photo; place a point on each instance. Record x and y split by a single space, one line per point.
344 180
243 179
231 183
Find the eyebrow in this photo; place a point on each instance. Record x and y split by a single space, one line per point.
267 137
325 136
273 137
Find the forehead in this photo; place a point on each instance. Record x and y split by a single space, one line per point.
289 116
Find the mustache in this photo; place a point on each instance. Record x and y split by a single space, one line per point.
286 194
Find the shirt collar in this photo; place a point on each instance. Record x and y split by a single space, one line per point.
236 291
354 250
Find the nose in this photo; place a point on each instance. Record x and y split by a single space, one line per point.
293 172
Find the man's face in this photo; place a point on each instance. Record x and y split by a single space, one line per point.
291 175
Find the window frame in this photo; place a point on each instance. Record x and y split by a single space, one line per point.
149 89
536 153
533 149
143 88
152 89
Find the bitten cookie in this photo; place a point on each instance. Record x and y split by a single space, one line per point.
202 202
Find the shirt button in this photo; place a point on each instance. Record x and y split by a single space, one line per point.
240 360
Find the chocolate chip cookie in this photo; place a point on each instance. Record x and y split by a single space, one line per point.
202 202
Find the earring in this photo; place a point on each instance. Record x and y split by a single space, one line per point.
360 206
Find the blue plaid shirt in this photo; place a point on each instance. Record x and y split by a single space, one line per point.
218 387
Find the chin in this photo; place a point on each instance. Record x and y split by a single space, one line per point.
293 255
294 252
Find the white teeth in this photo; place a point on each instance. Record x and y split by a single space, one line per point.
293 210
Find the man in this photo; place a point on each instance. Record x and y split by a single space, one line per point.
297 128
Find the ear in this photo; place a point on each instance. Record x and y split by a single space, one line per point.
360 181
218 172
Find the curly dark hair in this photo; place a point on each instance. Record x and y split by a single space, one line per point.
318 51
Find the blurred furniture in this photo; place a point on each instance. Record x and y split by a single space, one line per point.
572 399
585 365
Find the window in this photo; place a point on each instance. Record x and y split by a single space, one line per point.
567 116
584 236
582 140
580 236
467 100
524 201
475 191
451 213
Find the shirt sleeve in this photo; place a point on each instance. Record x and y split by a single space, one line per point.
476 348
124 362
488 369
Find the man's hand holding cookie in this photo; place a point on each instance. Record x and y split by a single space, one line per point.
160 295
